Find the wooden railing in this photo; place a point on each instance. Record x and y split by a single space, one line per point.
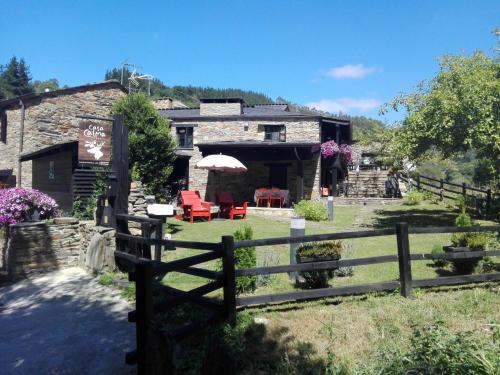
147 274
441 188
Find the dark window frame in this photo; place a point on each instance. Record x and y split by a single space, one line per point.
184 136
3 127
275 133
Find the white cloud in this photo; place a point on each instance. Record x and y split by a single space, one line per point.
345 105
350 71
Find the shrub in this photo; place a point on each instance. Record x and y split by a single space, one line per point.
19 204
476 241
438 249
319 251
311 210
245 257
413 198
435 350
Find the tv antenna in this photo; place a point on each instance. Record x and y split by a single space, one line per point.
124 64
134 79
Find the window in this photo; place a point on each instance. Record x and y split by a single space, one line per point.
185 137
275 133
3 127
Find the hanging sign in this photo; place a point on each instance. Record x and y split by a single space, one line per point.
94 142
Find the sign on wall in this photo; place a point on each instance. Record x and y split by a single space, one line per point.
94 142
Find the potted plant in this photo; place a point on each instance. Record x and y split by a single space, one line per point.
467 241
19 204
318 252
329 149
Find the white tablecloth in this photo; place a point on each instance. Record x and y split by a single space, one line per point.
284 193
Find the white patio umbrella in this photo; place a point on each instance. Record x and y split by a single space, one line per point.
222 163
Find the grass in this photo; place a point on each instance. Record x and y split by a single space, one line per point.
345 218
347 335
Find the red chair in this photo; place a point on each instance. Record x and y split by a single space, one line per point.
262 195
228 207
193 206
275 196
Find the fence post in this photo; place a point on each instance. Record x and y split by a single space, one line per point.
229 272
404 259
488 202
418 181
441 187
145 248
158 236
144 315
464 189
297 229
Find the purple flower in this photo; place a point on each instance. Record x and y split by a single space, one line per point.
331 148
19 204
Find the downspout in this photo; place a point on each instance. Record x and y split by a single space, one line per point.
21 141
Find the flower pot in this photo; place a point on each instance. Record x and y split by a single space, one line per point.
462 266
317 279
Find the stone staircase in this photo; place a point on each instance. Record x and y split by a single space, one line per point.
369 183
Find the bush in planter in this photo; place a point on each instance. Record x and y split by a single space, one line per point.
311 210
19 204
317 252
474 241
245 257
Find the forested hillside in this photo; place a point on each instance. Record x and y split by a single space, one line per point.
189 95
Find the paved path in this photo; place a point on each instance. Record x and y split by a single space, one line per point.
61 323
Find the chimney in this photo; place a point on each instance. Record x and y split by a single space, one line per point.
163 103
221 107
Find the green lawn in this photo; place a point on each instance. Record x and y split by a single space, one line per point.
365 217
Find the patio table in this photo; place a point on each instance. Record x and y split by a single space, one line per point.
285 194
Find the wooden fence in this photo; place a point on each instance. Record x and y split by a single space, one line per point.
482 197
132 253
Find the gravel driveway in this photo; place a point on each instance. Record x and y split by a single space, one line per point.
63 322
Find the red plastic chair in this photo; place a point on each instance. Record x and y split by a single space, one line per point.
262 195
193 205
275 196
228 207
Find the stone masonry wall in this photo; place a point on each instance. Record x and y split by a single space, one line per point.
50 121
42 246
216 131
217 109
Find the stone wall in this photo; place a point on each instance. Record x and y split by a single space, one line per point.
217 131
51 120
220 109
41 246
62 242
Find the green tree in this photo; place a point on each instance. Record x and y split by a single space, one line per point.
151 148
15 79
50 84
456 111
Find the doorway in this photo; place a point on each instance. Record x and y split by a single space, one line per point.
278 174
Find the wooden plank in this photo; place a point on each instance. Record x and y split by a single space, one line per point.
317 293
429 178
201 272
144 315
138 219
431 185
454 280
208 302
228 269
169 243
315 266
460 255
162 268
404 259
483 228
314 237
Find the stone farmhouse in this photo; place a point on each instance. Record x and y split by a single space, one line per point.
39 136
279 147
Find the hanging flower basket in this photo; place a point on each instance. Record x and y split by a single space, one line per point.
330 148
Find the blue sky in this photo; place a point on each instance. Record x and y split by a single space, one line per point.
336 55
